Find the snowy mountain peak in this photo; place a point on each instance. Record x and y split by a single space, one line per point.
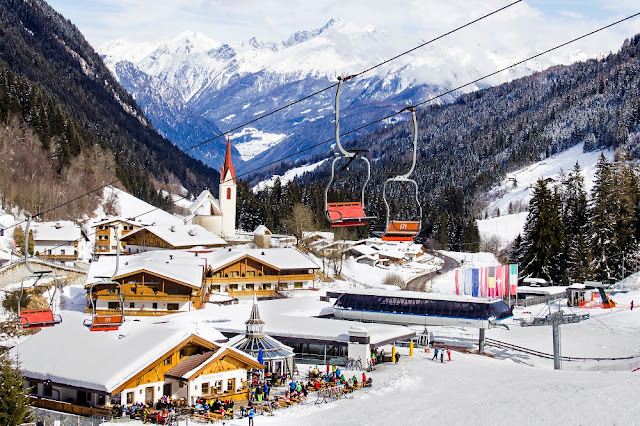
188 42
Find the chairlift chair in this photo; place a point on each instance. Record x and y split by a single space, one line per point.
105 321
346 213
36 318
403 229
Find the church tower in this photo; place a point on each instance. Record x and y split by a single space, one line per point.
227 194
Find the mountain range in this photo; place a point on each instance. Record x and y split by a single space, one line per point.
192 87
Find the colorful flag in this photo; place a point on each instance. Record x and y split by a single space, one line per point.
513 278
457 282
468 282
491 281
475 282
499 281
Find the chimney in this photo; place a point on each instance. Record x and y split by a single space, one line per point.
172 228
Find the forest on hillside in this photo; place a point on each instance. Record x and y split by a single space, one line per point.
56 86
571 236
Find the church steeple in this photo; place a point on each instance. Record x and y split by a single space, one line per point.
228 164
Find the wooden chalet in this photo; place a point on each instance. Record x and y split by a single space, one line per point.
105 234
139 363
172 237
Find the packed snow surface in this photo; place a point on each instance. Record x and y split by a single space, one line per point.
288 176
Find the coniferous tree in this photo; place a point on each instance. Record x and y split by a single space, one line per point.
602 221
576 226
543 235
14 398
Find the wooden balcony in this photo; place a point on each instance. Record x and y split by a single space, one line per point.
260 279
60 257
129 297
134 312
67 407
258 293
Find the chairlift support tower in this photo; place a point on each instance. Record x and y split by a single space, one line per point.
555 320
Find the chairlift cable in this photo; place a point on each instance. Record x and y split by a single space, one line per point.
275 111
364 125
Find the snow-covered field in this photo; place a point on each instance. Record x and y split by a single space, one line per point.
288 176
254 141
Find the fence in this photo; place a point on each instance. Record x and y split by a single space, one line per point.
530 301
46 417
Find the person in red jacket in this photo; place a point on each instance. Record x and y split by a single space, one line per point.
449 354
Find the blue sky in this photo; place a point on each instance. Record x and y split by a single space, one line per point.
534 22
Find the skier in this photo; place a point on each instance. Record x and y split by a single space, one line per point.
442 355
435 355
449 354
632 305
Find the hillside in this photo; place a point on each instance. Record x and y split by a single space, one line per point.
472 144
62 78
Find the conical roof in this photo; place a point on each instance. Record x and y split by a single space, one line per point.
228 164
254 318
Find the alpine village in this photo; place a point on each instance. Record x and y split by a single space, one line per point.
310 213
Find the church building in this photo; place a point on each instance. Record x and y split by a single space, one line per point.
218 216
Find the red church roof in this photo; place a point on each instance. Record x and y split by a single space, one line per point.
228 164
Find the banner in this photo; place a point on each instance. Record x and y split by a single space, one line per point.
457 282
499 281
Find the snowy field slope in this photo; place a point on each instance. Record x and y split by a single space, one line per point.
288 176
129 206
507 226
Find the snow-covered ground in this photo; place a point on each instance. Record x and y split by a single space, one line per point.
254 141
288 176
507 226
471 389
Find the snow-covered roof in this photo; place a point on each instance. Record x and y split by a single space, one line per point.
367 257
182 235
262 230
392 254
363 249
293 318
189 366
72 355
204 203
178 265
63 230
420 295
119 219
317 234
279 258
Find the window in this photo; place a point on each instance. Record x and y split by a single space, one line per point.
167 360
205 388
234 273
132 305
183 352
101 399
173 307
297 284
114 306
231 385
250 286
228 193
251 273
48 388
233 286
154 305
129 398
61 251
216 386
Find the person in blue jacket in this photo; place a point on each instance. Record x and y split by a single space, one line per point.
435 355
251 414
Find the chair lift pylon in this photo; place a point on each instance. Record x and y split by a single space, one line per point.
107 322
36 318
404 229
351 213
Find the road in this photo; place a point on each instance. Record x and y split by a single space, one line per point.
419 283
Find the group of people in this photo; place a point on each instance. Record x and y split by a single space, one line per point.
441 352
224 408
